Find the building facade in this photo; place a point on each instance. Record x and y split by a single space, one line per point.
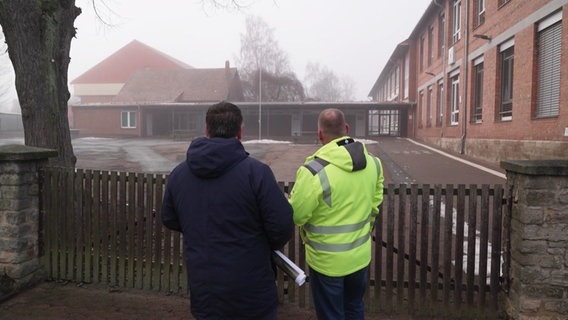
118 96
485 78
141 92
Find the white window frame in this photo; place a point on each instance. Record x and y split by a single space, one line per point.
421 111
397 82
429 106
441 104
509 44
422 51
455 100
430 44
128 119
479 78
480 12
406 76
442 34
456 20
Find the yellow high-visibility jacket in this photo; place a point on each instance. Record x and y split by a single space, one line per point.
335 200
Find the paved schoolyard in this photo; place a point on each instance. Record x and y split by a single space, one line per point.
404 160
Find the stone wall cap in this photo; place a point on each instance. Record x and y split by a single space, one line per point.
537 167
11 152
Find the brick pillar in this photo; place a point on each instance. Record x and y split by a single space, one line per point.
20 264
539 239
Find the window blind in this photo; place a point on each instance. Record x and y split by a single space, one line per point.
549 54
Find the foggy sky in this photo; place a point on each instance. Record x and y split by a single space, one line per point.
352 38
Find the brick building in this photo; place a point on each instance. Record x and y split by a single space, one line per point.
139 91
485 78
119 95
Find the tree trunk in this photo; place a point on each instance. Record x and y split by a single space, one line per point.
38 34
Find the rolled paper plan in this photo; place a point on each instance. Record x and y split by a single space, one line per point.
289 267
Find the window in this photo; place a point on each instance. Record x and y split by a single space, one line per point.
480 12
406 70
384 122
549 51
441 34
456 20
429 108
389 86
503 2
393 84
421 112
397 82
440 105
455 100
185 121
477 109
422 44
430 45
506 94
128 119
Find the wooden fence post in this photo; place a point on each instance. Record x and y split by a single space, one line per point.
20 220
539 239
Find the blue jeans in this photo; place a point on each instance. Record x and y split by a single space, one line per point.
338 298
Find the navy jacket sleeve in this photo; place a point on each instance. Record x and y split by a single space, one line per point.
275 211
169 215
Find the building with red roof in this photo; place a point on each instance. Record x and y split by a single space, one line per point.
114 96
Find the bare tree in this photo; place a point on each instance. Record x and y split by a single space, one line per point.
264 66
38 34
6 75
284 87
324 85
347 88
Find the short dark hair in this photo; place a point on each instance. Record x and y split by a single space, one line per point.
224 120
332 123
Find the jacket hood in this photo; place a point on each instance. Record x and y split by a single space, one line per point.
344 153
212 157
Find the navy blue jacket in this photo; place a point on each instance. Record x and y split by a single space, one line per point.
232 215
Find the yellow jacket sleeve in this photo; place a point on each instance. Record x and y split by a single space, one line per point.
304 195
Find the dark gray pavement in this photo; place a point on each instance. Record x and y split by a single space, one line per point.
404 160
407 161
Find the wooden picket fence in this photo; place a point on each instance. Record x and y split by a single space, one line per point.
437 249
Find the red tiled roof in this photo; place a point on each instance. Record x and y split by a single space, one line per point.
121 64
187 85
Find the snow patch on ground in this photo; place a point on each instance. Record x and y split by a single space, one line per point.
265 141
268 141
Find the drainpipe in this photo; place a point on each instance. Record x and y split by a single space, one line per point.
443 125
466 69
414 120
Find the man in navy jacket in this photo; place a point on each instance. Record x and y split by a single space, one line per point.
232 214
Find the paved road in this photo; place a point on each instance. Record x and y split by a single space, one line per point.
404 160
407 161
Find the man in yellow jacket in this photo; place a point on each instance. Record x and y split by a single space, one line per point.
335 200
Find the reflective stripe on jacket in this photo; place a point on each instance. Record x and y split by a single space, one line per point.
335 200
